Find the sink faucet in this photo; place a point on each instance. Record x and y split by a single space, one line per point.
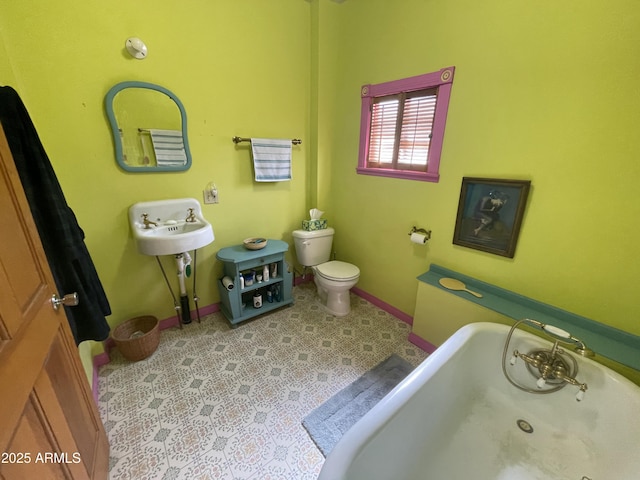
191 217
147 223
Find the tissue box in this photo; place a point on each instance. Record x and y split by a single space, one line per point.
314 224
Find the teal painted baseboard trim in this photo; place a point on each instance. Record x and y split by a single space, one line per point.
610 342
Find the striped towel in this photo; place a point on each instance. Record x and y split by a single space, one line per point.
271 159
168 147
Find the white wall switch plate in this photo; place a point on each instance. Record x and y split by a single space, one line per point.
210 195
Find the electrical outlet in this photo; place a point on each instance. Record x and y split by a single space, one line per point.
210 195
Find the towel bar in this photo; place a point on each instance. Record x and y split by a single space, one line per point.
295 141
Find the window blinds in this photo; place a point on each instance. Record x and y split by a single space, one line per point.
400 132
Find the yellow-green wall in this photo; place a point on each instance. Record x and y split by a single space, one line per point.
240 68
545 91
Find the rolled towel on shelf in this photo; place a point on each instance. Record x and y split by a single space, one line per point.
168 145
271 159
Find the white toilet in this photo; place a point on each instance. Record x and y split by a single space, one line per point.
334 279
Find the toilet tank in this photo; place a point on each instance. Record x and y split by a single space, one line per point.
313 247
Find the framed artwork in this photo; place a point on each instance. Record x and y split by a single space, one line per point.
490 214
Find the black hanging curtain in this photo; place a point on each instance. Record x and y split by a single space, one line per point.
61 236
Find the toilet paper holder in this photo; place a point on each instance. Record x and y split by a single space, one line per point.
426 233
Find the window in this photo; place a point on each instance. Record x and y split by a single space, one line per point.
402 126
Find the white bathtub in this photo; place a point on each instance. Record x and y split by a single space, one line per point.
456 417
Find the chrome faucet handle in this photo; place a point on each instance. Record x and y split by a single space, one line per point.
146 222
534 361
560 374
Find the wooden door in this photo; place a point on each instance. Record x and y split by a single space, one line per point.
49 424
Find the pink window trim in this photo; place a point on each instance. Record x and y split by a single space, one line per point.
441 79
404 174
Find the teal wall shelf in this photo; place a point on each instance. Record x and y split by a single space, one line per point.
610 342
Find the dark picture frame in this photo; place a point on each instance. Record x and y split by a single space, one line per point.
490 213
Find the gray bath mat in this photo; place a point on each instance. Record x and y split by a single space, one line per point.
331 420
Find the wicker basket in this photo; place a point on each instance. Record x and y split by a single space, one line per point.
137 338
255 243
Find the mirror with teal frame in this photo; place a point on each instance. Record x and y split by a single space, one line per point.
149 127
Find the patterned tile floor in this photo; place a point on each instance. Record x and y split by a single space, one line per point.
215 402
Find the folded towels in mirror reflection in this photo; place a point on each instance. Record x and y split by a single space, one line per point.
168 146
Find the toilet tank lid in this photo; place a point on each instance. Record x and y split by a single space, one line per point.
313 233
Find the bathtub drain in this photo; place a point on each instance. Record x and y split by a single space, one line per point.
524 426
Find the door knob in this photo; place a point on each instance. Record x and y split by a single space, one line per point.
69 300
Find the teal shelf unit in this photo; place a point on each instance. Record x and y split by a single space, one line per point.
237 304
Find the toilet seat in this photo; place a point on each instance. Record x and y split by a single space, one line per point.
338 271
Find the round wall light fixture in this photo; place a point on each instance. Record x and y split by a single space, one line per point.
136 48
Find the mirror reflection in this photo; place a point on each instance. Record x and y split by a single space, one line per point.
149 127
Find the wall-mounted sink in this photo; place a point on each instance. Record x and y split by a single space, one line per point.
169 227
